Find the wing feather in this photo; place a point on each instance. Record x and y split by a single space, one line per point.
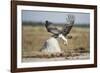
50 28
67 27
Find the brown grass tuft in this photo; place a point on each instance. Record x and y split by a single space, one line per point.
33 39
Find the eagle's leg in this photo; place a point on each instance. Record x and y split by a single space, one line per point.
63 38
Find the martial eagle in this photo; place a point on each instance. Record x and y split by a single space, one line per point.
61 33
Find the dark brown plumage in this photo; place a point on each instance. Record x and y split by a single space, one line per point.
65 29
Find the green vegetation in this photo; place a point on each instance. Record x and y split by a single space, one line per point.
57 24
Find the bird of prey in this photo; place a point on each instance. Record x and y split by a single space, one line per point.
61 33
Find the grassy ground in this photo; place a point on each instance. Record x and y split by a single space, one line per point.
33 38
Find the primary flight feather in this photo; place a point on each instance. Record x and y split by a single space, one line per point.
65 29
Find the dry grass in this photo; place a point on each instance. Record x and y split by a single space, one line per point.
33 38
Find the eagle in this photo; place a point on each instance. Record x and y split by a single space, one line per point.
61 33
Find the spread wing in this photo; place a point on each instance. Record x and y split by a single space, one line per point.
51 28
67 27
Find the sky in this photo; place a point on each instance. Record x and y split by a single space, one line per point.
54 17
